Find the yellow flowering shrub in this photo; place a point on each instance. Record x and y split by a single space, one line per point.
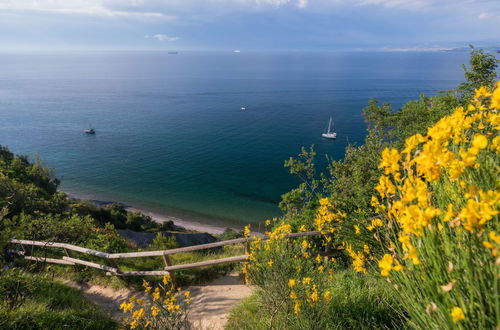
164 308
440 201
297 262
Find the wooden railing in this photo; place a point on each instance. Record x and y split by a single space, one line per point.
113 270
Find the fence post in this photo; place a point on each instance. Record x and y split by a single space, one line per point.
247 253
168 262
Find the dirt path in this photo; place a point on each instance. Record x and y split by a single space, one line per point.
210 303
108 299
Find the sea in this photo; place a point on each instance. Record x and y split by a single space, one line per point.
171 136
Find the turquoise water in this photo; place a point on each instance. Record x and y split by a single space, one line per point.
170 133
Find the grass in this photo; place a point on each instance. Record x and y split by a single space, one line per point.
359 302
185 277
30 301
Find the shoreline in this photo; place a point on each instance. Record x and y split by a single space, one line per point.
189 224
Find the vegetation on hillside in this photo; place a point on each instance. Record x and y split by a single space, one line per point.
410 219
31 207
30 301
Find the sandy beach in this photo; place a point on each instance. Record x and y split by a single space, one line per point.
217 227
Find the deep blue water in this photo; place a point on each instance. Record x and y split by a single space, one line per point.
170 133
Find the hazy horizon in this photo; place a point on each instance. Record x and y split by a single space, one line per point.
250 25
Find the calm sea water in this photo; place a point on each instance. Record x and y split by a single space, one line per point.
170 133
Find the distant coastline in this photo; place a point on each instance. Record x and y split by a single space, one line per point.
217 227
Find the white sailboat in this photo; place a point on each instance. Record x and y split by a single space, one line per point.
330 134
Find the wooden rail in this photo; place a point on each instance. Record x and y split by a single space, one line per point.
114 270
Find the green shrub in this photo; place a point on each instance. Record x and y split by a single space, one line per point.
30 301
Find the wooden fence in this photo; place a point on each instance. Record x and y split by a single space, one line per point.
112 268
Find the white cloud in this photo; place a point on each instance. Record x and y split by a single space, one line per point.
484 15
302 3
168 9
82 7
161 37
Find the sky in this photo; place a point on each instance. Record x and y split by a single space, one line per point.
248 24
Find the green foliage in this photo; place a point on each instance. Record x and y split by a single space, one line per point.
359 302
163 243
482 72
115 214
229 234
30 301
300 198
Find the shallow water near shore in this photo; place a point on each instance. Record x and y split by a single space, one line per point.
171 137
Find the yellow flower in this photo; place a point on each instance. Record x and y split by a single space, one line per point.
488 245
293 295
357 230
386 265
296 307
133 324
390 159
147 286
127 306
385 187
246 231
314 294
358 261
155 310
138 314
187 294
457 314
166 279
268 222
479 141
495 98
303 228
327 296
494 237
305 244
291 283
306 280
481 92
270 263
156 294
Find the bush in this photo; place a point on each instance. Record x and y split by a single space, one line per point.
30 301
161 308
440 199
301 289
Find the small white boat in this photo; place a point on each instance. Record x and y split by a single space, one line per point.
236 51
243 108
89 131
330 134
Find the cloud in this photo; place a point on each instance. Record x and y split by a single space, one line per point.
484 15
166 9
161 37
81 7
302 3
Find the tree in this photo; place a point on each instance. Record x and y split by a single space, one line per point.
482 72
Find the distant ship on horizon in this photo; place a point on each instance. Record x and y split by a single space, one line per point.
236 51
